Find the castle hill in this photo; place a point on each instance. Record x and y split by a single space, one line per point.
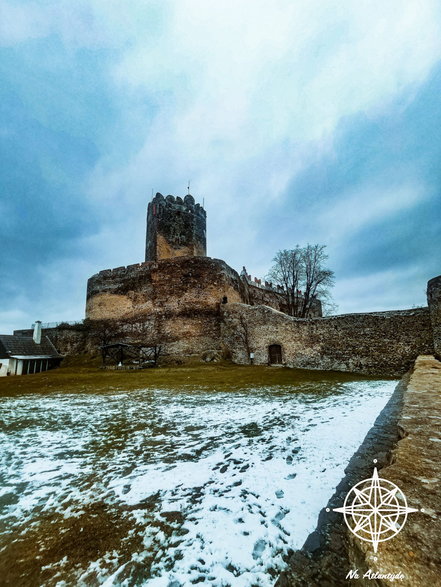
220 318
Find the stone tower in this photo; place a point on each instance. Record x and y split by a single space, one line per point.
176 227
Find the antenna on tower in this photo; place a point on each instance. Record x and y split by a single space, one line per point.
188 188
203 202
152 192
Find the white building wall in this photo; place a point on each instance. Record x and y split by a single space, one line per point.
5 367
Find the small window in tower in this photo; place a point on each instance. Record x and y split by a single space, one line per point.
225 300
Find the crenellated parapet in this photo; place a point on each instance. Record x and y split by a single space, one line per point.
176 227
187 203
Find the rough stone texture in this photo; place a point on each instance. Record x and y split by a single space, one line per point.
184 294
181 334
381 343
72 340
405 439
176 227
263 296
434 301
182 284
190 293
415 468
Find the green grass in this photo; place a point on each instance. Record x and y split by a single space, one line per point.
84 375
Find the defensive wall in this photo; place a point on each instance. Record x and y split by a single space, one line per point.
199 305
68 340
174 284
380 343
170 285
179 298
193 304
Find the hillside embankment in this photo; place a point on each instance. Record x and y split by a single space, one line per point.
83 374
406 441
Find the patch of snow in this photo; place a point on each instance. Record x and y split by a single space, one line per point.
232 481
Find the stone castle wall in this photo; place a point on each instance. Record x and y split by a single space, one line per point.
173 286
380 343
181 334
266 296
176 227
199 301
434 300
195 304
183 295
69 340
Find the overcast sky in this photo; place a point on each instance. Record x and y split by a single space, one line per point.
297 121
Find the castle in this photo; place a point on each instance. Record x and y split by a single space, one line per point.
198 306
177 284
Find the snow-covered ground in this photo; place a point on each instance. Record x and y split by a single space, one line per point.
220 485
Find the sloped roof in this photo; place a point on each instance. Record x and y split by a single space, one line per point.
24 346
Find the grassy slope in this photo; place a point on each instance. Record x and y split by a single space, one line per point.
79 376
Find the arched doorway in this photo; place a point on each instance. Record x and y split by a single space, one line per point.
275 354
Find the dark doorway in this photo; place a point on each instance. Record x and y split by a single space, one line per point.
275 354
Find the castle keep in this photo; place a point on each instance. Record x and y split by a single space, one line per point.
198 306
176 227
176 278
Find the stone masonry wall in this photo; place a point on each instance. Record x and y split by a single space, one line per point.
434 301
200 301
175 285
183 334
176 227
414 467
72 340
182 294
380 343
262 296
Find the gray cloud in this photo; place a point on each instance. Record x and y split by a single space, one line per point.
324 131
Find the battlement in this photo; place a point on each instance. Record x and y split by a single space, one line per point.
139 271
185 204
176 227
123 269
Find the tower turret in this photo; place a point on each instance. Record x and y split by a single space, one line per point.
176 227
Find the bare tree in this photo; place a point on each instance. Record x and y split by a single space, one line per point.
318 279
148 335
302 274
103 331
287 272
